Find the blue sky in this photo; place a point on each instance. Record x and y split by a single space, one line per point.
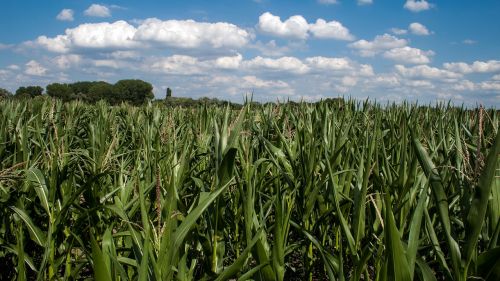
383 50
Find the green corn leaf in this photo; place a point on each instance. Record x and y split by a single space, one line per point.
37 235
190 220
425 271
227 166
345 227
249 274
331 263
21 268
36 177
414 237
488 265
397 264
479 205
144 267
441 202
240 262
101 271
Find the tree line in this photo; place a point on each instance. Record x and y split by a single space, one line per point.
135 92
132 91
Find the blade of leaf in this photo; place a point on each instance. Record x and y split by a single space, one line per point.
479 205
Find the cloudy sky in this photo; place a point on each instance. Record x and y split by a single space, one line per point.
309 49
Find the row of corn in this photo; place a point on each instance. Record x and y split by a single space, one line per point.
324 191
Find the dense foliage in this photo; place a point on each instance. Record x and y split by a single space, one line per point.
135 92
190 102
4 93
275 192
29 92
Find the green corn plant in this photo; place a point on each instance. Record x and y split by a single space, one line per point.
349 190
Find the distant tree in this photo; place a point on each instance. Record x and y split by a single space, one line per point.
189 102
100 91
169 93
29 92
60 91
4 93
81 89
135 92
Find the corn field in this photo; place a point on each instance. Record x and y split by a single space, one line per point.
352 191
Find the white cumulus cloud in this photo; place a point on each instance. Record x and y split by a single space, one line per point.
124 55
191 34
366 70
385 80
35 68
121 35
229 62
417 5
326 63
287 64
490 86
349 81
427 72
103 35
409 55
419 84
379 44
330 30
251 81
475 67
96 10
189 65
399 31
418 29
66 61
297 27
177 65
65 15
464 85
58 44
